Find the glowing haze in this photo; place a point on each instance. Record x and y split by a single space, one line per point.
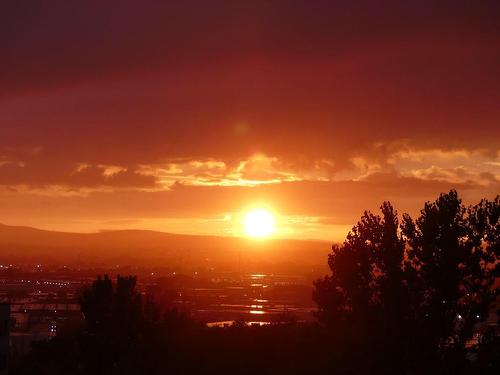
179 116
259 223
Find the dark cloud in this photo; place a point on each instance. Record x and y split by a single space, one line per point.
74 176
60 42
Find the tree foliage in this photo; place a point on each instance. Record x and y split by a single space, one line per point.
420 288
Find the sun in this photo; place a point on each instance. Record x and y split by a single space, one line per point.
259 223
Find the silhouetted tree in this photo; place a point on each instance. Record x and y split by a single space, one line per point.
114 320
452 248
418 292
366 296
112 309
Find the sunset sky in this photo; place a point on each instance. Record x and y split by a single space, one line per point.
181 116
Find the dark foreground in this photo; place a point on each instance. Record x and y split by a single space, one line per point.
123 334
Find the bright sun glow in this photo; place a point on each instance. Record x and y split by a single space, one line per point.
259 223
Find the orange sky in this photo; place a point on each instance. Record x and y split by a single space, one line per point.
179 116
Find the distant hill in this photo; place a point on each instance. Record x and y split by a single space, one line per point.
149 248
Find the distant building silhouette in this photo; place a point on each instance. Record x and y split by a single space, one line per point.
4 336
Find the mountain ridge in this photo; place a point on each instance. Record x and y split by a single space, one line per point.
147 247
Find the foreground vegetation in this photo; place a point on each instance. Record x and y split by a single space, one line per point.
401 299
